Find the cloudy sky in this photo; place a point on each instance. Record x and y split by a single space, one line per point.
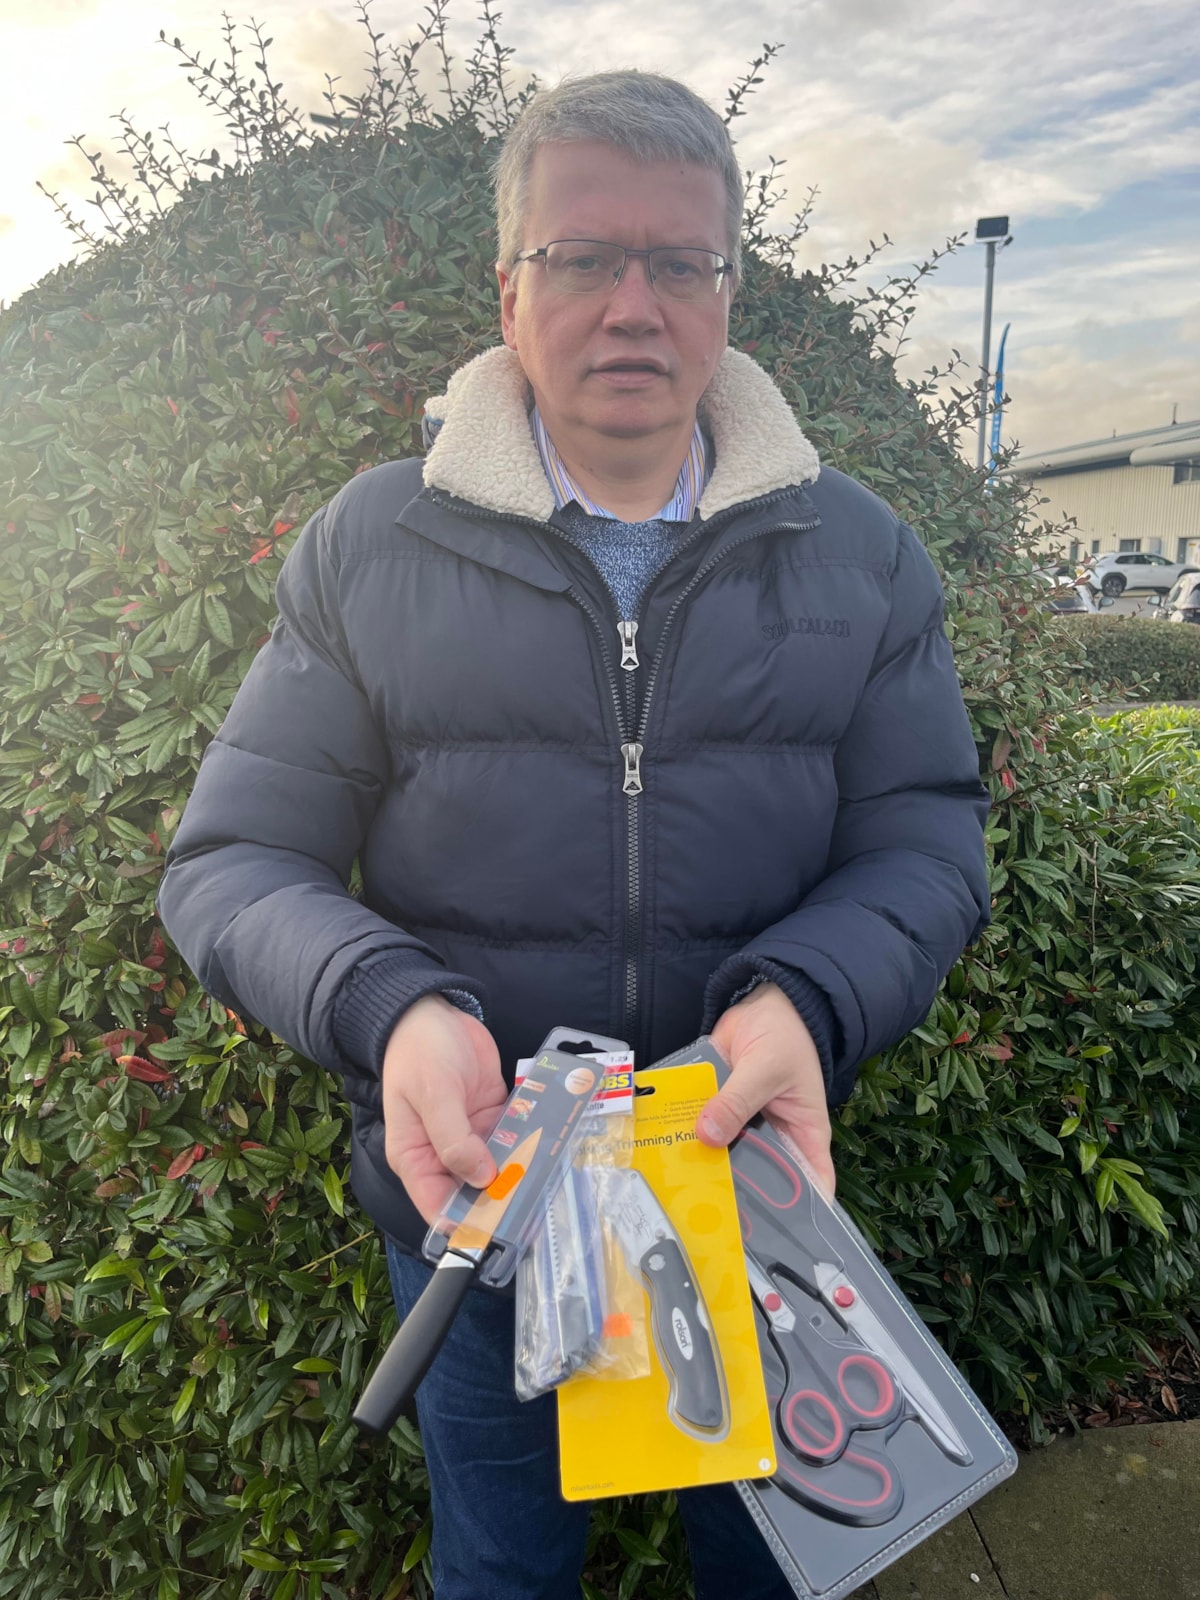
1079 120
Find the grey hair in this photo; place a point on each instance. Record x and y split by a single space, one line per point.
649 117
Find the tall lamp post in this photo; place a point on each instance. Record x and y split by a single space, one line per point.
992 231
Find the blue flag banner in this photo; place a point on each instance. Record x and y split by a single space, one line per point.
998 401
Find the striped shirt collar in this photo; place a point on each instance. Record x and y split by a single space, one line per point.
681 507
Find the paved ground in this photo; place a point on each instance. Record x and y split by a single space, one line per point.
1111 1515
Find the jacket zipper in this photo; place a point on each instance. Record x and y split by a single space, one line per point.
632 742
631 787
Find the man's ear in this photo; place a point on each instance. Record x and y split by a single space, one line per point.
508 305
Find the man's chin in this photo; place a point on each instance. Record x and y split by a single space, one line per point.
625 418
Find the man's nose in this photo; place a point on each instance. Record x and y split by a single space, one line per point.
632 304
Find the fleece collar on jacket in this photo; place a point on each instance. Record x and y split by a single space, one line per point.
485 451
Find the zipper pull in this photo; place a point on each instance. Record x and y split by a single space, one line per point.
633 767
629 655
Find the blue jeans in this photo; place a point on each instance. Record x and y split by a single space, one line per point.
501 1529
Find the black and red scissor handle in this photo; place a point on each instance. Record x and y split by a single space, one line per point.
835 1402
832 1401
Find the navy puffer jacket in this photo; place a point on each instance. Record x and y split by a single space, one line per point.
784 782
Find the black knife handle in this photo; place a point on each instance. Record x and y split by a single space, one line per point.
415 1343
684 1339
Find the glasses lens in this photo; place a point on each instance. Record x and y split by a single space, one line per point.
580 266
684 274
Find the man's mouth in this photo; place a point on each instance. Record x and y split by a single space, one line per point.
631 372
646 368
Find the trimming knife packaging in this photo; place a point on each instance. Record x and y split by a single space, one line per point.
878 1440
700 1414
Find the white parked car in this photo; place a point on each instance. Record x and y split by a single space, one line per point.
1113 574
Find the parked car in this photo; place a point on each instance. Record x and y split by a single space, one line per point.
1113 574
1067 597
1183 602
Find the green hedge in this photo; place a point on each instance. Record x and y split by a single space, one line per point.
1145 658
1181 723
189 1296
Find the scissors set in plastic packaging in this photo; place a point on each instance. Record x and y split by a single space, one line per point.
756 1337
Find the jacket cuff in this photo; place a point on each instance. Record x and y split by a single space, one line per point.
736 977
380 990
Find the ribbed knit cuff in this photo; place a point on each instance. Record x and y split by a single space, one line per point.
736 977
380 990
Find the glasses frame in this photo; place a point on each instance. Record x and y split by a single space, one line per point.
723 268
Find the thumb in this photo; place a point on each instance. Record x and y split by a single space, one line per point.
728 1112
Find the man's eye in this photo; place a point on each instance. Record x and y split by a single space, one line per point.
583 264
681 269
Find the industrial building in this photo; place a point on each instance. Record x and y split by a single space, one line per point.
1133 492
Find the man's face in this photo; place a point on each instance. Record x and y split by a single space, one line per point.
622 364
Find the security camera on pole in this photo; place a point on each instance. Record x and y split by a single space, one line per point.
992 231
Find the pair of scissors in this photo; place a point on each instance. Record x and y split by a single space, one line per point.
838 1371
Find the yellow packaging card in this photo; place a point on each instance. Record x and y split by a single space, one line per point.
701 1415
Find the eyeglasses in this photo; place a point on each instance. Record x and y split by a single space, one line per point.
589 266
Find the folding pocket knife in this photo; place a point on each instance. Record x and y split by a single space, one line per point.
683 1334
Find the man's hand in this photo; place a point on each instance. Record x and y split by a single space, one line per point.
774 1067
442 1094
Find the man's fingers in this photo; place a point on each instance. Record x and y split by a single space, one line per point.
812 1140
461 1151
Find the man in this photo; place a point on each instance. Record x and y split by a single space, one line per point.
635 719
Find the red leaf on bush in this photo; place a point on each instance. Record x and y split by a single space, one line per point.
963 1038
250 1144
397 305
272 1201
185 1160
1002 1049
264 549
114 1042
1007 779
291 408
88 700
174 408
144 1071
280 528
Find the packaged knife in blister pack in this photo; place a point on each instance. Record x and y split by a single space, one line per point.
878 1439
577 1308
543 1123
481 1233
699 1413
